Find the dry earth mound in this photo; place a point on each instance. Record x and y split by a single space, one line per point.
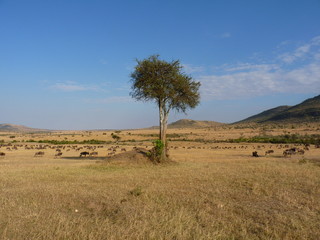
138 155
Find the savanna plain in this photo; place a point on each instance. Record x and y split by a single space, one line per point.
212 189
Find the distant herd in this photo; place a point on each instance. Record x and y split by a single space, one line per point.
90 151
289 151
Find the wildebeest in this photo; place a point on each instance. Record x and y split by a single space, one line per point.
255 154
84 154
2 154
39 154
59 154
269 152
289 152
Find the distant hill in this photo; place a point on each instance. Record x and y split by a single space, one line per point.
265 115
6 127
188 123
307 111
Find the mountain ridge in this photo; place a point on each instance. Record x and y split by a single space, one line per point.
306 111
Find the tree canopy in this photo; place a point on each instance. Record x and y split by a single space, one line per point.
165 83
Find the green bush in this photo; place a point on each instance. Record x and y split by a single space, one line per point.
156 153
115 137
158 146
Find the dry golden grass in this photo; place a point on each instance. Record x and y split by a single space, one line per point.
212 191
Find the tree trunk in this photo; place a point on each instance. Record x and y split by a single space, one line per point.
163 115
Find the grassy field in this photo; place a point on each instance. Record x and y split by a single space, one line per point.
212 190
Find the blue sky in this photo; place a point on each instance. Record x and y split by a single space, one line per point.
66 64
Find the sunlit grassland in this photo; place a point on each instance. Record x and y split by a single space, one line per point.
269 198
212 190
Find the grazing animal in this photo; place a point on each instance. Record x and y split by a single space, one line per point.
289 152
84 154
59 154
39 154
2 154
269 152
255 154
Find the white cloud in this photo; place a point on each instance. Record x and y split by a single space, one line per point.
297 72
261 82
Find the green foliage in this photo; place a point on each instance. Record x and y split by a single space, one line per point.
156 154
164 82
115 137
158 146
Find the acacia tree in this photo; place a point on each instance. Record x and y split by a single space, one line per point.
166 84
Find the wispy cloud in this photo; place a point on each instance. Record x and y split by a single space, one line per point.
250 67
103 61
73 87
308 50
111 100
225 35
296 72
188 68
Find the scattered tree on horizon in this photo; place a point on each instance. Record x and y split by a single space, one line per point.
166 84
